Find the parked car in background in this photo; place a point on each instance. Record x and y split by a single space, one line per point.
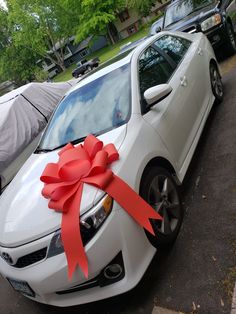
152 104
24 113
156 27
84 66
216 19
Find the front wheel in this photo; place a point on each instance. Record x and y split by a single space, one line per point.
159 189
216 83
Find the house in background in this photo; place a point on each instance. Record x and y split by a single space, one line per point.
73 53
129 21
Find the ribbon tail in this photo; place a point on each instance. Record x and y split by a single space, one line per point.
134 204
71 237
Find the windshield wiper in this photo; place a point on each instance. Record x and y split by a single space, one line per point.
47 150
42 150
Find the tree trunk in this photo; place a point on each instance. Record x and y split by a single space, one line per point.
58 60
110 35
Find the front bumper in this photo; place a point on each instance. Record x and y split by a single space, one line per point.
217 36
48 278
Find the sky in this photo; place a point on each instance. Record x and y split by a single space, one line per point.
2 3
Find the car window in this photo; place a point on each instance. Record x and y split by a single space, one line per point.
154 69
94 108
174 47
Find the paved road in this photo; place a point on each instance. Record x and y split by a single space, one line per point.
195 276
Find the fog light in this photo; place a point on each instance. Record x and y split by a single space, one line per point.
112 271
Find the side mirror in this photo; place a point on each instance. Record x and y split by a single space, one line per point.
158 29
157 93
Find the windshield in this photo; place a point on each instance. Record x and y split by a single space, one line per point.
181 9
94 108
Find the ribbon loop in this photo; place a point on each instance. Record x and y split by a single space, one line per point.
63 185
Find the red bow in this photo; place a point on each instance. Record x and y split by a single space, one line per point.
64 185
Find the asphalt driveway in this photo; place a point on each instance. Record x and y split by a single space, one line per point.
198 274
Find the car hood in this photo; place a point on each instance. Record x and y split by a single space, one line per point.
24 212
193 18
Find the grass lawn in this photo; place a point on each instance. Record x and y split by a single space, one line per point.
103 54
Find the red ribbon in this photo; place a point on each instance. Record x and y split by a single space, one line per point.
64 186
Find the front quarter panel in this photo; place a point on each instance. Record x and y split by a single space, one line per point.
141 145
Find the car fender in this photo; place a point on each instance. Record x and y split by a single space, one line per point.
141 145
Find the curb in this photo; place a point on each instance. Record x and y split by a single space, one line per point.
161 310
233 308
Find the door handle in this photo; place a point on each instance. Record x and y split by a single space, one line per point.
183 81
199 51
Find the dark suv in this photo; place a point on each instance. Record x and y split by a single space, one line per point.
216 19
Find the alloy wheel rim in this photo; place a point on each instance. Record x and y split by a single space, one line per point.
216 83
163 197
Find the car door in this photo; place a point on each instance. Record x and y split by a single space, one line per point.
178 116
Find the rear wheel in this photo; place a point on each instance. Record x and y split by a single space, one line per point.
160 190
216 83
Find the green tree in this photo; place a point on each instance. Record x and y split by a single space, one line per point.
18 64
4 31
42 26
142 6
97 16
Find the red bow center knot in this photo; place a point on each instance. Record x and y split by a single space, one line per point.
63 185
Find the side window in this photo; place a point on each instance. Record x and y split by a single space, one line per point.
154 69
174 47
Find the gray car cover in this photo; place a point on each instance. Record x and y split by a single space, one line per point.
24 113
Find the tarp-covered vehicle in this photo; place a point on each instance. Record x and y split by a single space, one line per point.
24 113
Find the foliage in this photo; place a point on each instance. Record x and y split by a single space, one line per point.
42 26
17 64
40 29
4 32
95 16
143 6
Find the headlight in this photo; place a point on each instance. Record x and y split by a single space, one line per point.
90 223
210 22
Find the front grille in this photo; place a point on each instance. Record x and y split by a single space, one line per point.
31 258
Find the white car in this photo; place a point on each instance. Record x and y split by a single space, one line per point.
152 103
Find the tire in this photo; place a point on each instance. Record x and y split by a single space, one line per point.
159 189
216 83
231 42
